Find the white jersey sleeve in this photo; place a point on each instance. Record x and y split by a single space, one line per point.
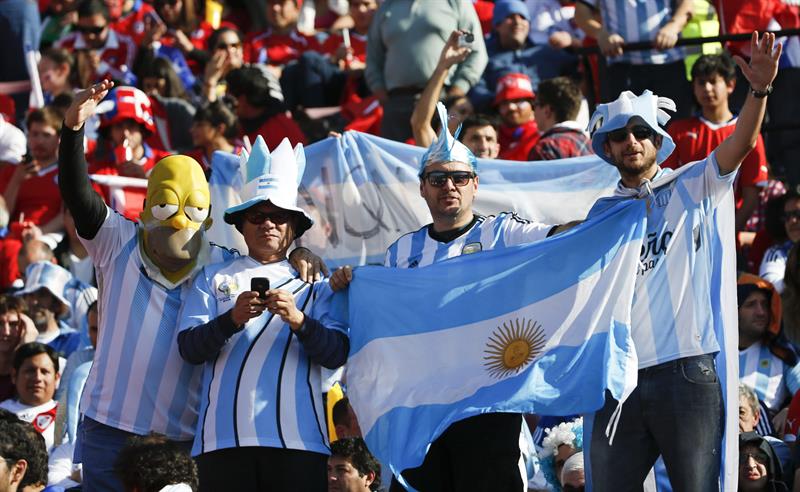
200 305
517 230
115 232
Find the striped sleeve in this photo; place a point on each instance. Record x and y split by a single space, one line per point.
517 230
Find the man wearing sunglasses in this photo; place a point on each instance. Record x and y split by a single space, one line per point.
481 453
93 33
676 329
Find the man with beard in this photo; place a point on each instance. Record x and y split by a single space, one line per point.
44 294
138 383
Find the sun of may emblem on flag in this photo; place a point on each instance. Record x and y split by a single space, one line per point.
512 346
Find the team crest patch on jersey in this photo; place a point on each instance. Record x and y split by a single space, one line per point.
227 288
470 248
43 421
764 363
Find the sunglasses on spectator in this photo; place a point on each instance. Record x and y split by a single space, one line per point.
791 215
257 218
91 29
225 46
640 132
760 457
439 178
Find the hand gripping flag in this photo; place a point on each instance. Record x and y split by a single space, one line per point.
541 328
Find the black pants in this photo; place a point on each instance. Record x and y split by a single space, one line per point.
477 454
262 469
668 80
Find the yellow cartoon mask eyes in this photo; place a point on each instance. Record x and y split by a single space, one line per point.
163 212
196 214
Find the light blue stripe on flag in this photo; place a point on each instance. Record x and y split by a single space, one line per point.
540 328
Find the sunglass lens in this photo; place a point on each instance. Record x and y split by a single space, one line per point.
641 132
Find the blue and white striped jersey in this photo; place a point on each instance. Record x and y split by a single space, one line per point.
772 380
638 20
672 315
139 383
773 265
418 249
262 389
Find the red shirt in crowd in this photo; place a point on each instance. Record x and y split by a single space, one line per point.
38 197
116 56
516 142
275 129
746 16
132 24
277 49
358 42
695 138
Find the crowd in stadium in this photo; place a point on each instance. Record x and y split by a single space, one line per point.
127 339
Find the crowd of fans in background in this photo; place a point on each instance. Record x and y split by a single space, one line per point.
194 78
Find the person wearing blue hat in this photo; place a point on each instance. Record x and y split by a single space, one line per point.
684 290
262 336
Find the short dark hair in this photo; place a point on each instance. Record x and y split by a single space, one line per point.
219 113
562 95
13 304
354 449
20 441
339 413
708 65
32 349
477 120
88 8
47 116
150 463
257 84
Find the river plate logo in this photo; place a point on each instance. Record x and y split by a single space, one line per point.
512 346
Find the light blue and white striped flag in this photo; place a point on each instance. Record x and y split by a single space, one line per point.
541 328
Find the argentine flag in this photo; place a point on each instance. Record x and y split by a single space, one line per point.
541 328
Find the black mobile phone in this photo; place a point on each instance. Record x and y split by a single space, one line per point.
260 285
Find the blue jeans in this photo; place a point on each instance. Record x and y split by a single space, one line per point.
675 411
97 448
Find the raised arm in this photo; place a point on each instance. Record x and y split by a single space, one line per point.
85 205
426 106
760 72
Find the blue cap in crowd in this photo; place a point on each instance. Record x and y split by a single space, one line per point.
504 8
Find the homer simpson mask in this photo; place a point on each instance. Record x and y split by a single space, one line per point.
176 215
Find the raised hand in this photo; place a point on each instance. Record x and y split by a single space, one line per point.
452 53
763 66
85 103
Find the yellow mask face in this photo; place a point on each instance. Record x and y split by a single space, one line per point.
176 212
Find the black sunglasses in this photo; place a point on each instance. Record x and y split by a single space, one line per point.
760 457
278 218
91 29
640 132
439 178
225 46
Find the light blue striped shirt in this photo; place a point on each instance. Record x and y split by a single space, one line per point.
262 389
139 383
672 313
772 380
418 248
638 20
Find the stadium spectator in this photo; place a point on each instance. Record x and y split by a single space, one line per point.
16 329
511 50
30 190
130 17
759 467
227 53
660 70
214 127
260 108
123 149
750 415
23 456
179 26
351 467
260 445
56 73
403 45
157 77
518 132
791 295
552 22
713 80
479 135
281 43
45 286
421 119
35 374
768 361
153 464
105 53
19 38
773 266
71 253
345 421
555 108
58 21
559 444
